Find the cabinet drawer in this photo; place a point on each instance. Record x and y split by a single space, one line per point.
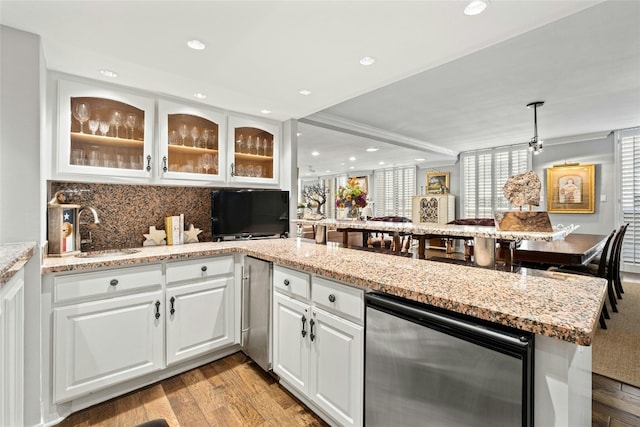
291 282
340 299
106 283
199 269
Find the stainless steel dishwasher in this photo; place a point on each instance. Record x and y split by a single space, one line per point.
256 311
428 367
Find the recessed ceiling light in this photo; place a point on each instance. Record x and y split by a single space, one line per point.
200 95
367 60
371 150
196 44
265 111
299 134
420 160
315 153
305 92
341 164
352 167
476 7
381 163
109 73
352 159
327 171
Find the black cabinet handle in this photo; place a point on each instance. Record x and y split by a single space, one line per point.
232 171
332 298
304 332
113 282
286 282
173 310
203 268
157 309
149 163
312 324
164 164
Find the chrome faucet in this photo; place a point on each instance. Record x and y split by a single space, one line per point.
88 240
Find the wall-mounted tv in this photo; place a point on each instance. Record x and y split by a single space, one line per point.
244 213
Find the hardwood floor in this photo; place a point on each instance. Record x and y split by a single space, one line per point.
235 392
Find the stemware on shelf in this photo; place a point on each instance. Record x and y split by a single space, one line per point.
131 123
249 145
116 120
82 113
205 138
104 128
195 134
239 144
206 162
183 131
173 138
93 126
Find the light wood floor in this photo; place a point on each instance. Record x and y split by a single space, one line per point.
235 392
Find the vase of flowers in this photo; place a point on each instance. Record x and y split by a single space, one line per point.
351 197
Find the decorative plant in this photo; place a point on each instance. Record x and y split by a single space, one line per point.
315 193
351 196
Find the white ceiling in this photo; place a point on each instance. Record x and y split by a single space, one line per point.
443 82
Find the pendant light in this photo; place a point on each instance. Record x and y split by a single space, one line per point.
535 144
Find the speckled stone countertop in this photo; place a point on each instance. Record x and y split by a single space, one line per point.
442 229
561 306
13 256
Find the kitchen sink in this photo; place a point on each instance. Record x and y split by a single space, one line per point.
107 254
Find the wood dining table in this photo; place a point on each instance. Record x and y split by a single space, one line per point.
575 249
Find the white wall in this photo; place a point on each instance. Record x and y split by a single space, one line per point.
22 84
600 152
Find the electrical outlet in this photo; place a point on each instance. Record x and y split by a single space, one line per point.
603 197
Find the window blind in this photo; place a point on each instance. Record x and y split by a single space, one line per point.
629 178
394 190
484 173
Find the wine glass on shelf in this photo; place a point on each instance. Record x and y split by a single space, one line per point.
183 131
195 134
93 126
205 138
82 113
173 138
249 146
116 120
131 122
239 144
104 127
206 162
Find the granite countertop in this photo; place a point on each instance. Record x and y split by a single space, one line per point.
13 256
442 229
561 306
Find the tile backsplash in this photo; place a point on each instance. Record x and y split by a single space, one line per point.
126 211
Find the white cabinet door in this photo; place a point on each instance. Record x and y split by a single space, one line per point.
12 351
101 343
291 341
254 151
337 369
200 318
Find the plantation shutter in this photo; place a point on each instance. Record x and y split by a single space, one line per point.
484 173
629 170
394 190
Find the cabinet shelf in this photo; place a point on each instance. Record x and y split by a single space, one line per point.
183 149
111 141
253 157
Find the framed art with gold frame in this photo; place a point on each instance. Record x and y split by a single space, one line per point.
437 182
571 189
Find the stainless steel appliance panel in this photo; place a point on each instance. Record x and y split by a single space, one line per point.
419 376
256 311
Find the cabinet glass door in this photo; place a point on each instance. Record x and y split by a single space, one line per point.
255 151
190 143
103 132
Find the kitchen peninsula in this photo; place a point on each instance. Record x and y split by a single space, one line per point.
562 310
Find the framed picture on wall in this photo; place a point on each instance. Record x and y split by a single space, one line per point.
571 189
364 183
437 182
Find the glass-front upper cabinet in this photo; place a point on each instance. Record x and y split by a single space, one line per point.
255 146
192 143
103 132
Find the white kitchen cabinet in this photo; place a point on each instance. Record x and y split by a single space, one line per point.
319 343
192 143
199 303
112 332
12 351
254 148
122 144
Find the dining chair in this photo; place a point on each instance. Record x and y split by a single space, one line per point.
617 282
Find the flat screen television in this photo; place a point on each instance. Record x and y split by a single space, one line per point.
244 213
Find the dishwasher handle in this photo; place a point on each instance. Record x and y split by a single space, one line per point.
448 323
